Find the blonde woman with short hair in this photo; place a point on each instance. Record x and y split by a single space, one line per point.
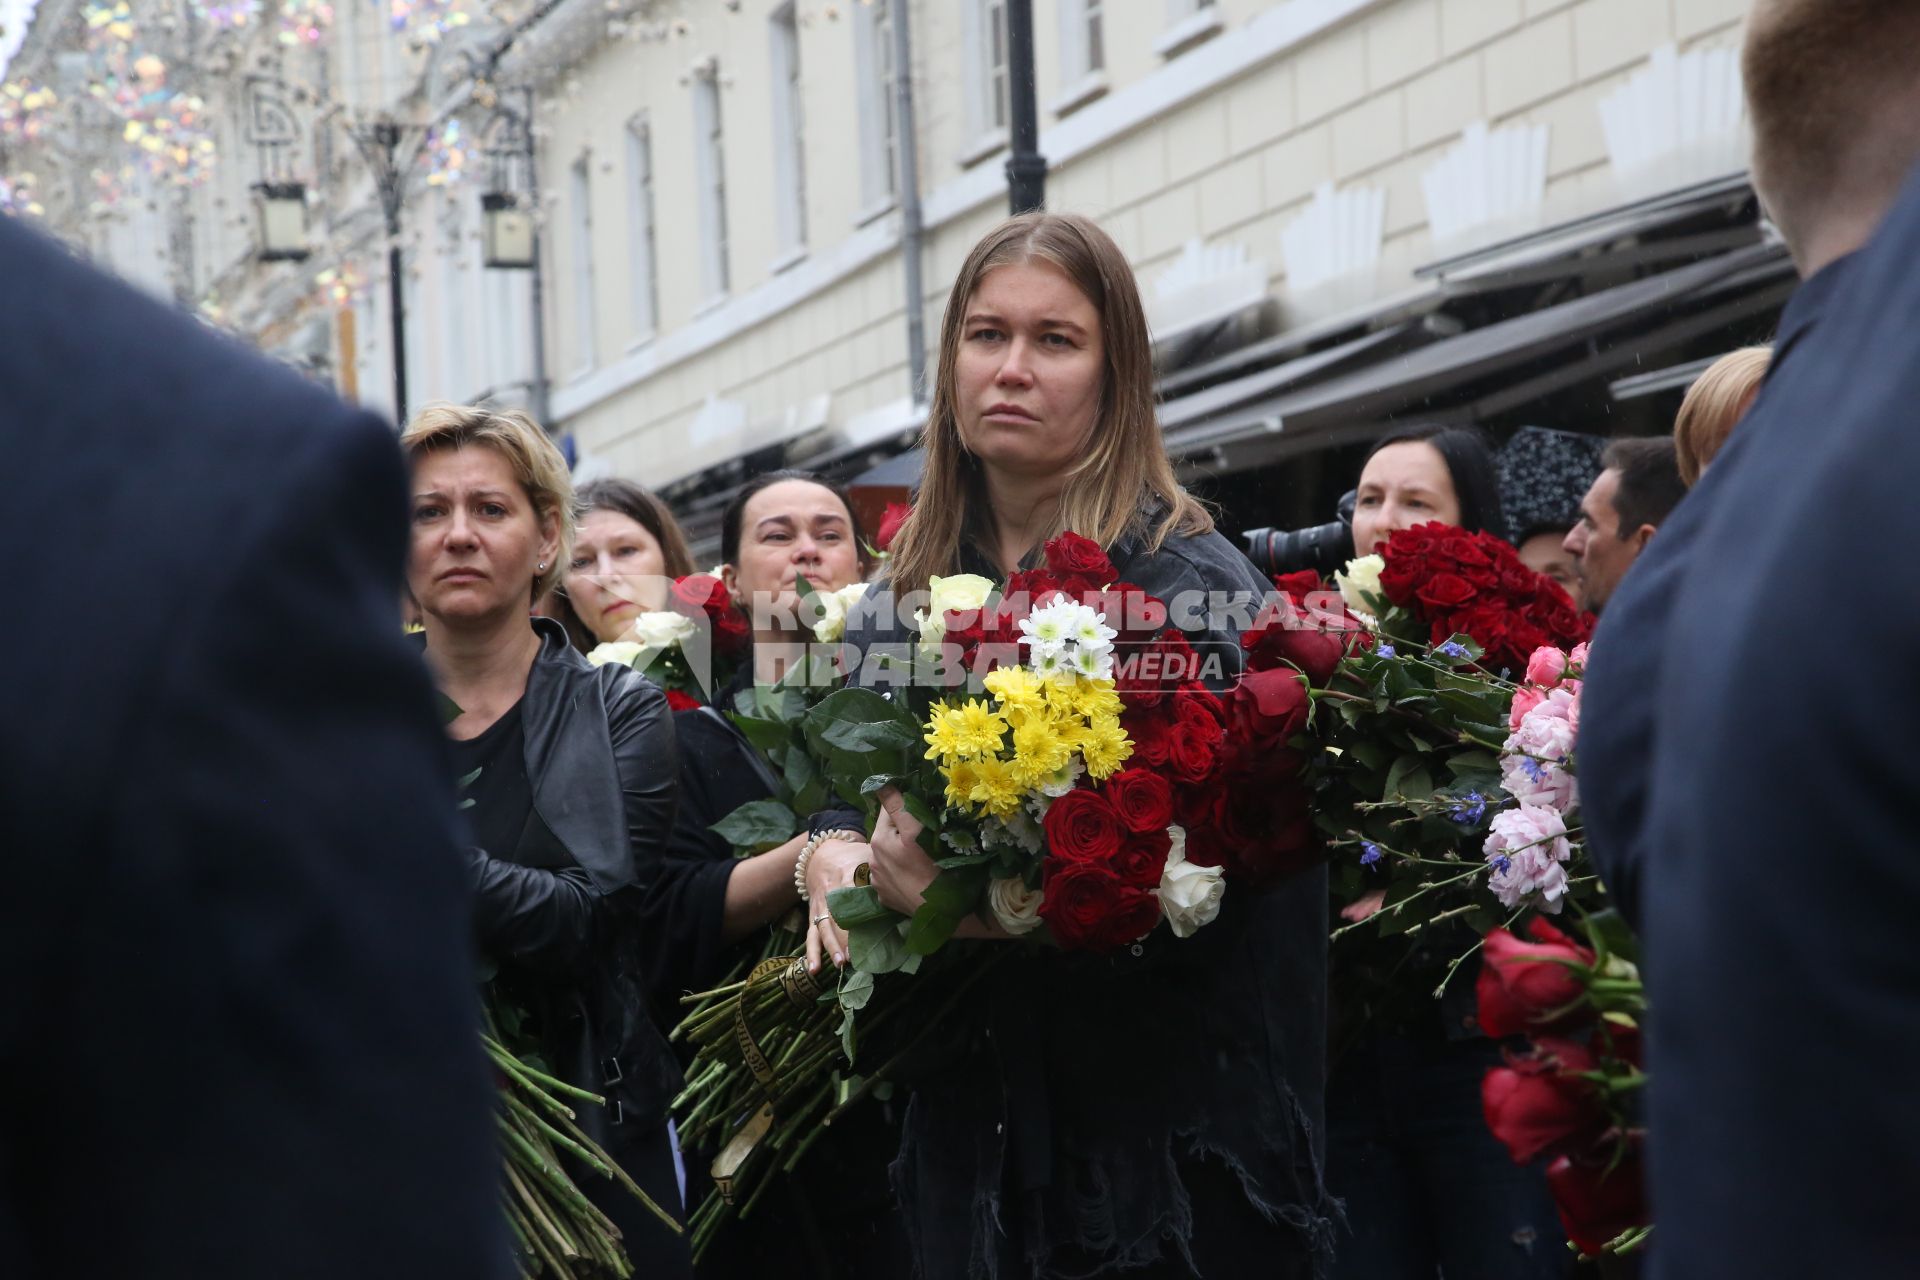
572 787
1716 401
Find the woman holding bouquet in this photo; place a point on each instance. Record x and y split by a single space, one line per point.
572 787
709 909
626 550
1153 1112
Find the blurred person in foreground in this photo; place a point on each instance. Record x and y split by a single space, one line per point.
1637 489
239 1026
1738 756
1718 399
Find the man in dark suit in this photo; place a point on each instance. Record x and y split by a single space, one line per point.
237 1011
1744 752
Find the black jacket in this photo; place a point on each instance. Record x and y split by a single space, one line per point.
238 1026
601 762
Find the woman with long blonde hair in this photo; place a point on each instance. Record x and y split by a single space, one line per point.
1151 1113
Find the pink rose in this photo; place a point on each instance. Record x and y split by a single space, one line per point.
1546 667
1578 657
1524 700
1528 849
1537 768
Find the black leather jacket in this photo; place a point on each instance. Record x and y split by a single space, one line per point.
602 766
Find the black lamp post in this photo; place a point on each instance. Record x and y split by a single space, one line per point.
380 146
1026 167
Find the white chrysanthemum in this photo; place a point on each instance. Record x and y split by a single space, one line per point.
1089 629
1063 779
1050 663
1093 664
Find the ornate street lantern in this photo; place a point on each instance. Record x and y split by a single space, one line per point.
506 235
282 221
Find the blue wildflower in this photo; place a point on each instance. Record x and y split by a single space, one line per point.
1385 651
1452 649
1468 809
1502 864
1369 853
1535 771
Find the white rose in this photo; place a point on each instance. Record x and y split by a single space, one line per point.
620 651
1361 580
1015 907
834 607
963 592
1189 893
663 630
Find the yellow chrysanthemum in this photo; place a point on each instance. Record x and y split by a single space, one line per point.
1105 746
995 790
1039 752
962 777
971 729
1020 692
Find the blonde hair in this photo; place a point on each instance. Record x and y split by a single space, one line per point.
1125 465
1717 400
536 462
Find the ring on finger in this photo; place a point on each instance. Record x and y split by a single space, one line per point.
820 919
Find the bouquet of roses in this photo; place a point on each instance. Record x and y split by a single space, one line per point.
1435 581
1572 1096
689 649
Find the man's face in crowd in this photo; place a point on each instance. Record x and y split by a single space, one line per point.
1602 555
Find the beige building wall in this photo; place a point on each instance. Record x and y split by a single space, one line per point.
1223 140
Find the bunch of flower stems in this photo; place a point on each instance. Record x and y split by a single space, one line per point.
769 1056
559 1232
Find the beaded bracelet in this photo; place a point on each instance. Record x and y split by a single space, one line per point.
814 841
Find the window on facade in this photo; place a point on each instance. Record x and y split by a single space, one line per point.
711 172
642 273
996 68
1083 46
789 154
1094 12
580 257
879 128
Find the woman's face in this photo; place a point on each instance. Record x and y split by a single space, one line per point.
1030 370
1403 485
790 529
617 573
476 538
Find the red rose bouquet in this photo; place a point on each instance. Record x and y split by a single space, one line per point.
691 648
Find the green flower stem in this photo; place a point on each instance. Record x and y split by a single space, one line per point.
537 1082
529 1116
548 1235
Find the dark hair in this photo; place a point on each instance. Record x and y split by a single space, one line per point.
626 498
736 512
1650 484
1476 484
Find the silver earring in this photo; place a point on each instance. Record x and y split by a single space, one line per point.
541 567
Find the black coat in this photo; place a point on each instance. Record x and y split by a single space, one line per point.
238 1027
1780 873
601 761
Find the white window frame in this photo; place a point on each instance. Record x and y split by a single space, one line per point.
789 136
710 167
643 270
879 123
984 36
1188 23
580 259
1083 55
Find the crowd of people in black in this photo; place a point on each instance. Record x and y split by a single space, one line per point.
247 902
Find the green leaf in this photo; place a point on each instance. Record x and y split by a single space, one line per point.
869 735
876 783
1401 768
929 822
801 772
1473 764
767 735
857 905
957 892
877 947
930 930
757 824
856 988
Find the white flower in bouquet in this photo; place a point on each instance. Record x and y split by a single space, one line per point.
1190 894
620 651
1015 907
1019 829
834 607
1528 850
1063 780
1360 580
663 630
1068 636
961 593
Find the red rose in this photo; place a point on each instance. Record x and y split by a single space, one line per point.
678 701
1089 908
1445 591
1073 556
1194 740
1600 1193
731 633
700 595
1129 610
1150 727
1270 706
1142 798
890 521
1528 986
1082 827
1313 651
1538 1103
1142 860
1299 585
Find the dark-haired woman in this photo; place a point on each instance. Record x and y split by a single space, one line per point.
627 551
1428 1189
709 909
1150 1114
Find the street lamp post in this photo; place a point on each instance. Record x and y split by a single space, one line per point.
380 146
1026 167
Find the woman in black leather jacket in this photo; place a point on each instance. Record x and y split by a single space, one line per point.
572 781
